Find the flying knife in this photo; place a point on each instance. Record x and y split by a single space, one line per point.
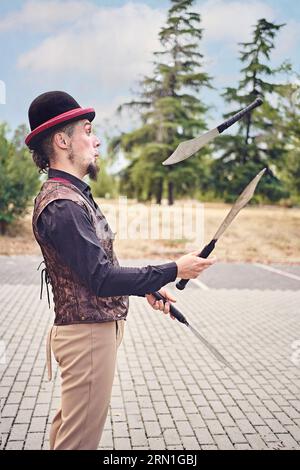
189 147
241 201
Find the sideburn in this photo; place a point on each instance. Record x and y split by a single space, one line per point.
71 153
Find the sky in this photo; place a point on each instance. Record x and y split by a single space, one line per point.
97 50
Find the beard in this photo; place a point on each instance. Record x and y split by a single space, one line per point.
92 171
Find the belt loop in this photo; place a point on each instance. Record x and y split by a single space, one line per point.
48 354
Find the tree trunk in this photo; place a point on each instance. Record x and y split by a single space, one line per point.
170 193
159 191
3 227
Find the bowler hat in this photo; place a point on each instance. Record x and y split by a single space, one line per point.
50 111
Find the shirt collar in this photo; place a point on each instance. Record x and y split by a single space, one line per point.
81 185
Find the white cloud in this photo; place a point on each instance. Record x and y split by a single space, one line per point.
232 21
106 116
287 40
111 46
227 23
36 16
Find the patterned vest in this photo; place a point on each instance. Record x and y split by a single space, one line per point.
74 302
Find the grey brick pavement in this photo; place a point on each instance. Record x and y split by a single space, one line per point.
169 392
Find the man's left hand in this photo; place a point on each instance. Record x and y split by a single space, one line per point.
159 304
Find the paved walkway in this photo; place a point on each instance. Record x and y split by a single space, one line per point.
169 392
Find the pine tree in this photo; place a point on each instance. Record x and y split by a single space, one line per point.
170 111
256 143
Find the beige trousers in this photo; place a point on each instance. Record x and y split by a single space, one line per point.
86 355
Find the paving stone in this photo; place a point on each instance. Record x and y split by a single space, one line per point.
41 410
236 413
23 416
225 419
31 391
178 414
171 437
153 429
245 426
217 406
206 413
255 419
242 446
266 434
290 411
184 428
138 438
166 421
256 441
120 430
283 418
264 413
34 441
134 421
18 432
37 425
132 408
235 435
294 431
14 445
106 439
204 436
148 414
156 443
28 403
18 387
196 420
190 443
223 443
9 411
5 425
14 398
275 425
122 443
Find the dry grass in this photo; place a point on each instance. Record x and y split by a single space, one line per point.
265 234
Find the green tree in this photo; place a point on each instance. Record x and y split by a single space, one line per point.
19 179
170 111
290 134
257 143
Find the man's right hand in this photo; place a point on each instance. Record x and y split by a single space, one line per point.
190 266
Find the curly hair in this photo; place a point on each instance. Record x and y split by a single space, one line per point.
42 152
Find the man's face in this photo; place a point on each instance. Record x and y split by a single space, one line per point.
83 151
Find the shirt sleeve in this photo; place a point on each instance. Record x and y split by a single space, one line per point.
66 227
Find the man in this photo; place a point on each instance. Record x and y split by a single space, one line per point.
90 289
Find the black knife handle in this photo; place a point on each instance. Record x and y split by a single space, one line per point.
204 254
236 117
173 310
